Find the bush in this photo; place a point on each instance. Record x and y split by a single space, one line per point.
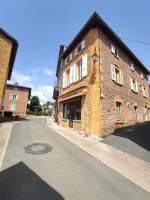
37 113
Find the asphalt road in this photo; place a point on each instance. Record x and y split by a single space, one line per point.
134 140
66 172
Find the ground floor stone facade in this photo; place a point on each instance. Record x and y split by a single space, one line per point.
131 113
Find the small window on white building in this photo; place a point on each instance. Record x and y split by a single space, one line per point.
12 107
13 97
118 110
114 50
132 67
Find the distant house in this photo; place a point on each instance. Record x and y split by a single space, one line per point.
16 100
101 84
8 50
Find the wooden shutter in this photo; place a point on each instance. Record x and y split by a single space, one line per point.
71 74
121 77
83 44
64 79
136 86
142 90
131 83
113 73
84 65
74 72
76 51
147 93
113 49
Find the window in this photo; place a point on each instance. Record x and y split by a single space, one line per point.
82 67
114 50
134 85
13 97
79 70
72 73
80 47
116 74
12 107
68 59
118 111
65 111
66 79
142 76
72 110
132 66
135 109
144 91
76 71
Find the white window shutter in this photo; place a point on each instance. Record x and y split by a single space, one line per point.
113 73
70 56
70 75
113 49
74 72
147 94
83 44
132 66
121 77
10 98
143 90
137 86
84 65
64 79
76 51
131 83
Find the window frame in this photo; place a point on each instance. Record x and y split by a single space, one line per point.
114 51
115 73
116 111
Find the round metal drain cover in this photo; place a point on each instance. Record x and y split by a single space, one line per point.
38 148
129 130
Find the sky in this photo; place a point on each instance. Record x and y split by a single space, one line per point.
41 26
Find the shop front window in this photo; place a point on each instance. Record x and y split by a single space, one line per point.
72 110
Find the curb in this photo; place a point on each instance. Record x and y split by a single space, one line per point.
7 128
130 167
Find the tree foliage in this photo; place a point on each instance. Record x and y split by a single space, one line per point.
35 104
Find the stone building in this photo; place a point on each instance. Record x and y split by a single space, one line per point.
16 100
8 50
101 84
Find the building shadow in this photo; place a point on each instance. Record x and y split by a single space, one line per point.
11 119
19 182
138 133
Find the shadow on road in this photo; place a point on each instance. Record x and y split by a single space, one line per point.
11 119
139 133
19 182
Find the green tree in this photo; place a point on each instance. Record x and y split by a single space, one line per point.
35 104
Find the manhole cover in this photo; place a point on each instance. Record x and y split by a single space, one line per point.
38 148
130 130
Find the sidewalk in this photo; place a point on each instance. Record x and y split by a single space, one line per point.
136 170
5 131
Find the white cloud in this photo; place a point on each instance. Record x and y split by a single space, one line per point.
44 93
22 79
48 71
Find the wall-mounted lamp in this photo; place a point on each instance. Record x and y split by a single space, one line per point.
95 57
